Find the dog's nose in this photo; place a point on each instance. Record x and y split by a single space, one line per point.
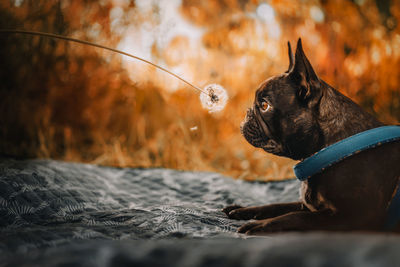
250 112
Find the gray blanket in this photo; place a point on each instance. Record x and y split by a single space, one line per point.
55 214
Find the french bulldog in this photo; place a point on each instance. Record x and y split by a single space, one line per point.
296 114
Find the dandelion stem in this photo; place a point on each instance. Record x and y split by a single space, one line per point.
103 47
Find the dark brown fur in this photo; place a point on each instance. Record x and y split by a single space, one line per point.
306 115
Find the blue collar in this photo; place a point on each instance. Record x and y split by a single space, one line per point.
345 148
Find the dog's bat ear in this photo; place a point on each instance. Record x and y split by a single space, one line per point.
291 58
304 74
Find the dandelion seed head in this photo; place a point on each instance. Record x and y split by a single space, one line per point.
215 99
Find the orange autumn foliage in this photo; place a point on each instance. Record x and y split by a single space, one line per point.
77 103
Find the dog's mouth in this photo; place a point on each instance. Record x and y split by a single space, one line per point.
251 131
257 133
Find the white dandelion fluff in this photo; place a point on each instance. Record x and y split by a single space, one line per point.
214 99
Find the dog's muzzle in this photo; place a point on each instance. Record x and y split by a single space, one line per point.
252 131
256 132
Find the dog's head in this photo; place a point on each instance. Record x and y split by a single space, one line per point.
283 119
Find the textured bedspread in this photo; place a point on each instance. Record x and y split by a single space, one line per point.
56 213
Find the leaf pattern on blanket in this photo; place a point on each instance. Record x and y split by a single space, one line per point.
46 203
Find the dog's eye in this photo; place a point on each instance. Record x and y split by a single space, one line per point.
265 106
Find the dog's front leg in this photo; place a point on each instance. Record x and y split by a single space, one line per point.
294 221
262 212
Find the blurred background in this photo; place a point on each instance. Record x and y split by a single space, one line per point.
72 102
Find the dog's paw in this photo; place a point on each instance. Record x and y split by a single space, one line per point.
228 209
258 227
240 213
